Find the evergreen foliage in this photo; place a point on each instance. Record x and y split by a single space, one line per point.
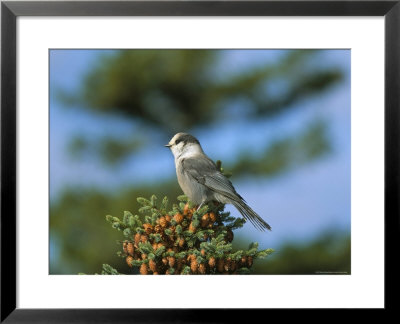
182 240
139 84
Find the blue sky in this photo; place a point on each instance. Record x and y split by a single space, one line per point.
299 204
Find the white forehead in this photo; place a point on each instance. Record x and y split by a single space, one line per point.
176 136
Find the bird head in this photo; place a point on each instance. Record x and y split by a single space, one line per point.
184 143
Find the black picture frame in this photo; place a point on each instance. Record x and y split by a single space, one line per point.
10 10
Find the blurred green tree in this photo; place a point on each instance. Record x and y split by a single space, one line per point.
330 253
174 90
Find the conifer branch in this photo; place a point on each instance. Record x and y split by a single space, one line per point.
183 240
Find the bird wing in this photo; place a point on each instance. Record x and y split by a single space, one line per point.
205 172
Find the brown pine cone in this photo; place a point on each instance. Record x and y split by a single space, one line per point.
192 257
152 265
143 238
171 261
158 229
186 210
164 261
249 261
144 256
203 252
193 266
179 265
130 248
220 265
205 219
192 228
213 218
212 262
181 242
137 239
155 273
128 260
148 228
143 269
243 260
202 268
178 218
168 218
163 222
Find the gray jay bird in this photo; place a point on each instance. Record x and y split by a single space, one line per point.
202 182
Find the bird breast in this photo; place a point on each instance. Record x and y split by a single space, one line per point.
195 191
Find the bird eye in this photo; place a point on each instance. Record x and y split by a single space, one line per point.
178 141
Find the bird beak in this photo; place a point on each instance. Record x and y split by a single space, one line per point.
168 145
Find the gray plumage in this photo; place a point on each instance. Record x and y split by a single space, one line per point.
202 182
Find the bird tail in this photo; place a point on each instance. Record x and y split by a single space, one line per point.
251 215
